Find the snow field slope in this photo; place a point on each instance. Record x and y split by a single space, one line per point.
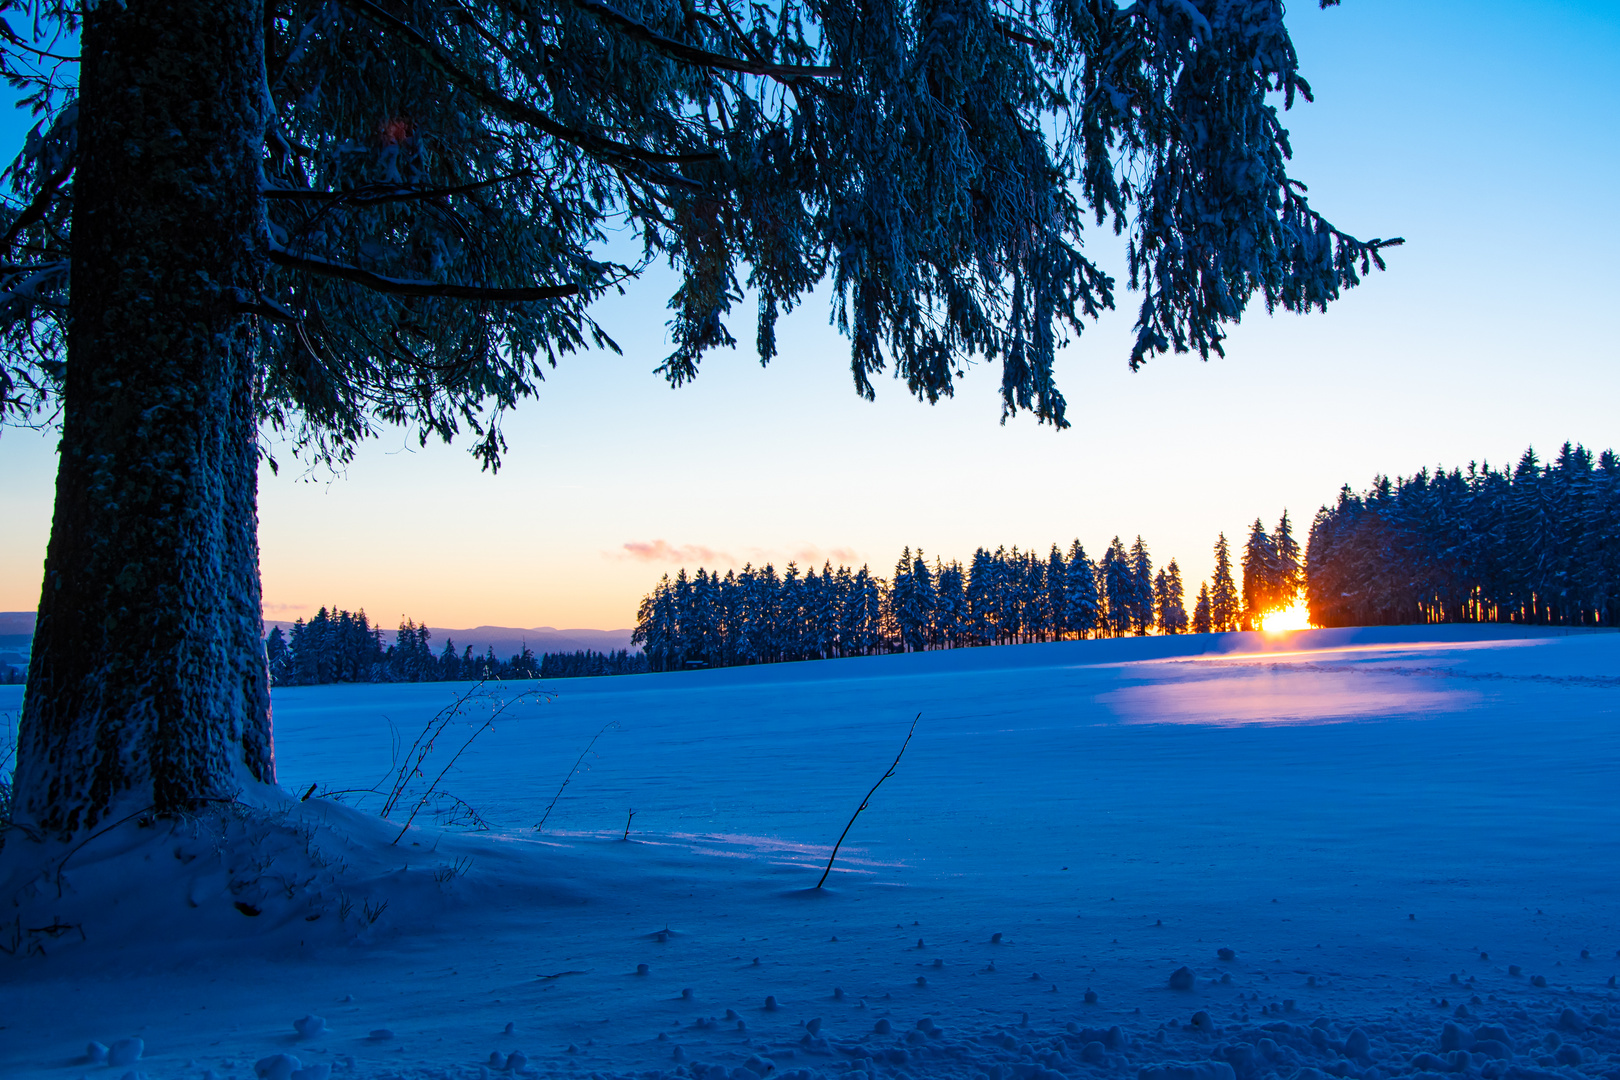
1372 822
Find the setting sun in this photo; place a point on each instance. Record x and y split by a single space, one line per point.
1293 617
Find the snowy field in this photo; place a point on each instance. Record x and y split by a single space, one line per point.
1408 839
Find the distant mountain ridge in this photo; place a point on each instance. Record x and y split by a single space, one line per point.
508 641
17 634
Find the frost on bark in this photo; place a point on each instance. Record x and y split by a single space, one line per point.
147 685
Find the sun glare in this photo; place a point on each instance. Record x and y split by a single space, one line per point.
1289 618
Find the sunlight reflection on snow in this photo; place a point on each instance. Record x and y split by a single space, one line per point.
1280 696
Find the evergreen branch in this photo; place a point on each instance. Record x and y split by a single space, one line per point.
415 286
1024 38
12 38
499 103
372 194
35 275
701 57
38 204
866 800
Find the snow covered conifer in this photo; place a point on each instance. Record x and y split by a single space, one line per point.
1202 620
1141 602
1260 574
981 597
392 217
1288 574
1224 604
1119 588
951 613
1055 607
1172 602
1083 613
277 656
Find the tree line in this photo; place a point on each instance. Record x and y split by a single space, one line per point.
337 646
759 616
1537 543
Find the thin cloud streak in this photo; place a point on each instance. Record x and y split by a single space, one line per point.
662 551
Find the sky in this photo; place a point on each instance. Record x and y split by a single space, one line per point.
1482 132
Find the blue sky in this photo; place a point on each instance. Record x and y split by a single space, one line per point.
1485 133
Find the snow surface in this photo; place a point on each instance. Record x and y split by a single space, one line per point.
1392 831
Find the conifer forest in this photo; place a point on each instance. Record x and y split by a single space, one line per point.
337 646
1536 544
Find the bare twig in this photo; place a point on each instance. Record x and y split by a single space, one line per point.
485 726
424 743
866 800
541 825
104 830
627 822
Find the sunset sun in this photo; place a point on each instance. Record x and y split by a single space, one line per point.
1293 617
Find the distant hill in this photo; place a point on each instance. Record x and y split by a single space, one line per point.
16 624
508 641
17 634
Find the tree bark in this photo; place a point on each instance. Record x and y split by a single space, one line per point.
147 685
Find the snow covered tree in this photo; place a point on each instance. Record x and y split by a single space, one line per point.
1054 602
1169 600
1083 613
1224 605
1202 619
1259 574
981 597
329 218
1141 600
950 605
278 658
1118 588
1271 570
1289 572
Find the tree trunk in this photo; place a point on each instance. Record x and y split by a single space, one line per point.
147 684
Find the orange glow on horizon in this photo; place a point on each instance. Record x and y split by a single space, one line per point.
1293 617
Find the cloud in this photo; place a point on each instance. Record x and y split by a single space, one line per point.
662 551
807 556
812 556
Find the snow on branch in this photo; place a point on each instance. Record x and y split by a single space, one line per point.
414 286
491 98
372 194
703 58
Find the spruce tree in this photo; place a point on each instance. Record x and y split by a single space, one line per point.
392 216
1288 575
1118 588
1203 618
1173 605
1141 602
1055 605
981 597
951 612
1260 574
1224 605
277 656
1083 614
